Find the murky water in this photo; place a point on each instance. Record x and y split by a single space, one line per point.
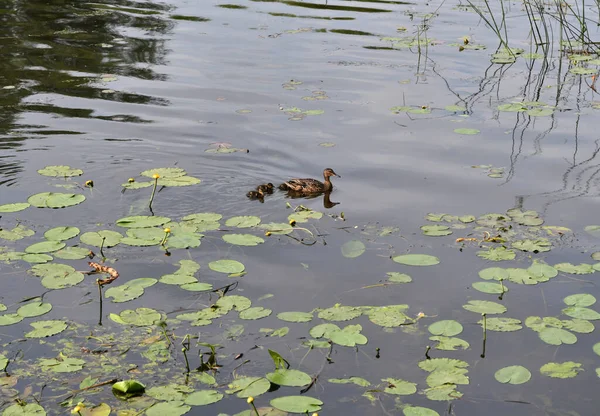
115 88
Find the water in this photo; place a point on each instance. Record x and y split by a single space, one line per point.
116 88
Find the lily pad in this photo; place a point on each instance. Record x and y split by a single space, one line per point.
56 275
17 233
249 386
359 381
44 247
142 221
94 238
16 207
172 408
497 254
580 312
416 260
295 316
72 253
60 171
226 266
140 317
533 246
289 377
61 233
489 287
245 221
33 309
22 409
436 230
557 336
502 324
467 131
447 328
45 329
179 181
396 277
399 387
256 312
388 316
352 249
62 364
297 404
449 343
339 313
243 239
203 397
10 319
495 273
349 336
581 299
55 200
574 269
485 306
568 369
304 216
419 411
164 172
514 374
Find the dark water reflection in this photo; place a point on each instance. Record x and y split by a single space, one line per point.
118 87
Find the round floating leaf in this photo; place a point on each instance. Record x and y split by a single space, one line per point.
172 408
579 70
542 272
292 378
249 386
55 200
497 254
17 233
60 171
396 277
442 364
574 269
246 221
359 381
419 411
239 303
147 233
568 369
36 258
164 172
324 330
444 377
416 260
580 312
447 328
203 397
557 336
61 233
142 221
534 246
137 185
180 181
297 404
436 230
514 374
138 242
277 227
10 319
399 387
72 253
388 316
449 344
512 107
34 309
243 239
340 313
443 393
183 241
62 365
57 276
582 299
124 293
502 324
295 316
226 266
349 336
581 326
140 317
29 409
197 287
304 216
202 217
596 348
455 108
177 279
484 306
256 312
467 131
94 238
16 207
46 328
353 248
540 112
489 287
44 247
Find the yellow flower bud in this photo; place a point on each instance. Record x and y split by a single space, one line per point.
292 222
156 176
268 233
315 414
167 230
131 180
76 410
250 400
89 184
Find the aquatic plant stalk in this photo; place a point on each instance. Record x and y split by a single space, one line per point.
101 247
484 333
156 177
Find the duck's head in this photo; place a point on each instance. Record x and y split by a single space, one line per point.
329 172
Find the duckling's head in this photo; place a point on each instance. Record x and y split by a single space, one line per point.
329 172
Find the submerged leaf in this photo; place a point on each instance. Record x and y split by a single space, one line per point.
353 248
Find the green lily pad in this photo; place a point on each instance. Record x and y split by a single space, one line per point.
226 266
172 408
580 70
419 411
45 247
497 254
289 377
568 369
502 324
140 317
137 185
243 239
33 309
574 269
236 302
295 316
245 221
297 404
449 343
557 336
61 233
17 233
164 172
494 273
36 258
581 299
447 328
349 336
436 230
257 312
512 107
72 253
60 171
359 381
416 260
304 216
62 365
455 108
28 409
45 329
580 312
323 330
542 272
444 377
55 200
16 207
489 287
396 277
443 393
128 388
399 387
352 249
388 316
130 290
580 326
514 374
203 397
277 228
179 181
177 279
467 131
94 238
142 221
57 276
533 246
340 313
249 386
529 218
169 392
183 241
540 112
197 287
442 364
485 306
10 319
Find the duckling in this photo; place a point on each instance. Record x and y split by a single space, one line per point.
255 195
265 188
308 185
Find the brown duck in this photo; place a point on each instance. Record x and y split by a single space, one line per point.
309 186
